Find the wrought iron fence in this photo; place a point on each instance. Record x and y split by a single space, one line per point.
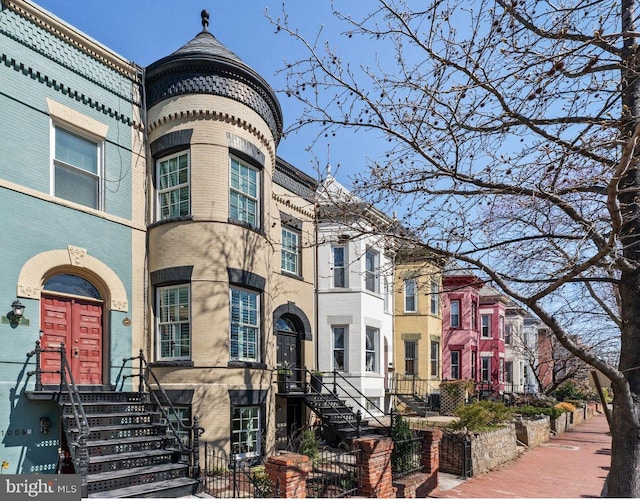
406 457
455 455
335 474
225 476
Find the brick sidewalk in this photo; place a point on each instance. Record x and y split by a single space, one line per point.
572 465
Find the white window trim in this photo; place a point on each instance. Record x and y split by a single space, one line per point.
158 323
344 267
297 233
258 196
376 350
482 334
259 431
258 326
434 298
458 365
375 272
344 347
88 135
159 192
459 322
415 295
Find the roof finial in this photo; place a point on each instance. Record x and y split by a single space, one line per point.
205 19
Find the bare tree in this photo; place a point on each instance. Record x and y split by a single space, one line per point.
512 129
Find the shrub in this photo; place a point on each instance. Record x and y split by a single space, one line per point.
565 407
569 391
262 481
404 448
481 416
308 444
529 410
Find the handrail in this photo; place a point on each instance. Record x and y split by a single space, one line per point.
195 430
68 384
325 398
337 385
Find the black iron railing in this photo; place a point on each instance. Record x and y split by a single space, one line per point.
335 474
77 448
227 476
144 374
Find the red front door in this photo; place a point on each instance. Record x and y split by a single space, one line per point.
78 324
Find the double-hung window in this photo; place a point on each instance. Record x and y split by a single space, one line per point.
245 325
455 365
410 297
486 325
454 310
339 266
371 351
244 191
245 432
410 353
371 271
485 369
435 359
290 257
339 334
77 165
174 327
173 186
435 297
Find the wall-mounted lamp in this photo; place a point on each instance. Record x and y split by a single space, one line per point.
16 313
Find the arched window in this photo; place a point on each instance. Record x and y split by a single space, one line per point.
286 325
71 284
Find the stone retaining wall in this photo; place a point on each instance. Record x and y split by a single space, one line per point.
533 431
492 448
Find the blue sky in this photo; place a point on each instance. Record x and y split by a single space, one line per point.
144 31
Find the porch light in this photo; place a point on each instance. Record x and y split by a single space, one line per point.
17 311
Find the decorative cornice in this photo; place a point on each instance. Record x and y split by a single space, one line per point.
215 115
42 18
287 203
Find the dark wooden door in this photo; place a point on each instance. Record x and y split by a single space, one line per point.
78 324
287 355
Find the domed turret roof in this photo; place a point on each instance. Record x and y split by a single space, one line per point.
205 66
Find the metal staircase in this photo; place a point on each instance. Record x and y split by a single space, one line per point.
123 443
416 394
341 424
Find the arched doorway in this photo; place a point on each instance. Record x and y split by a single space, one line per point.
288 336
71 312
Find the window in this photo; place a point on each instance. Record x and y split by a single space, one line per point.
434 370
410 352
371 271
485 370
77 164
486 325
474 315
243 194
508 328
501 371
455 313
339 269
245 432
474 373
435 297
338 348
181 422
173 186
508 372
174 322
370 350
455 365
372 403
290 251
245 325
410 295
501 327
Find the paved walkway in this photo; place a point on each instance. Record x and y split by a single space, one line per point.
572 465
